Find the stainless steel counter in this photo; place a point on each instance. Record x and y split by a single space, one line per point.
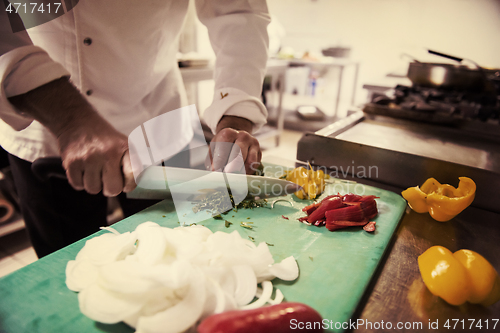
397 296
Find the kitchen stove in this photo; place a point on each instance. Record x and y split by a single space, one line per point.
459 108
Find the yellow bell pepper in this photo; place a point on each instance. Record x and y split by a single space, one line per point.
459 277
442 201
312 182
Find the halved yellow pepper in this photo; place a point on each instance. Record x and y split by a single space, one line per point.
442 201
312 182
444 275
459 277
484 280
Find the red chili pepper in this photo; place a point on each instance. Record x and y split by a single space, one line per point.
349 213
280 318
283 216
326 205
334 225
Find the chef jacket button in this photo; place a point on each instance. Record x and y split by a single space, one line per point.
89 92
87 41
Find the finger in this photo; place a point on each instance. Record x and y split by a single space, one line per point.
92 178
112 179
253 159
236 162
221 152
128 175
221 147
74 173
209 159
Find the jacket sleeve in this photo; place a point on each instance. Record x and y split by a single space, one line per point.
23 67
238 33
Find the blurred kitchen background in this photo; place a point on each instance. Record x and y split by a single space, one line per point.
328 58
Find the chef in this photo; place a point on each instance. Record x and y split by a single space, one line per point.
76 86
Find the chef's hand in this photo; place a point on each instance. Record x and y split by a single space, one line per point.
94 154
96 158
235 130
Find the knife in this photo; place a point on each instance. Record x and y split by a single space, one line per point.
158 182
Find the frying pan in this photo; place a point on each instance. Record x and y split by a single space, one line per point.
449 76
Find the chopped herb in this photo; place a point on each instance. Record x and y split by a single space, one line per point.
248 218
233 215
163 216
218 217
227 223
192 224
217 202
246 225
311 258
269 244
251 238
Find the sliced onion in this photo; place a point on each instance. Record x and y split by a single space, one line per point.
107 248
151 243
182 315
246 284
267 291
286 270
105 306
80 274
128 277
278 298
171 278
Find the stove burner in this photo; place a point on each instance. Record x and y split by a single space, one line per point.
437 105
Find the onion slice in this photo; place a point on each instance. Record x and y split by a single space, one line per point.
267 291
182 315
286 270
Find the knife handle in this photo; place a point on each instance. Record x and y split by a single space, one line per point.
48 167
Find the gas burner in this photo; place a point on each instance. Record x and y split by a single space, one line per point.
437 105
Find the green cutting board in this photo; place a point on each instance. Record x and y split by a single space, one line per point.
335 267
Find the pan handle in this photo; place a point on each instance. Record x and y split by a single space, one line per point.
445 55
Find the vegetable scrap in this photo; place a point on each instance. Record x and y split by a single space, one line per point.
463 276
283 216
247 225
370 226
442 201
312 182
342 211
159 279
227 223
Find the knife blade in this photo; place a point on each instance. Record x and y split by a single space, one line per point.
158 182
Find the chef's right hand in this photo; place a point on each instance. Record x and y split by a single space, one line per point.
95 155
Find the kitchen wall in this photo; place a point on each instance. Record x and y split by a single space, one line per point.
379 31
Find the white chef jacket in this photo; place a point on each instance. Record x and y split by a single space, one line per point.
121 54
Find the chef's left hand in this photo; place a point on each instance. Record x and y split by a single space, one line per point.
235 130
